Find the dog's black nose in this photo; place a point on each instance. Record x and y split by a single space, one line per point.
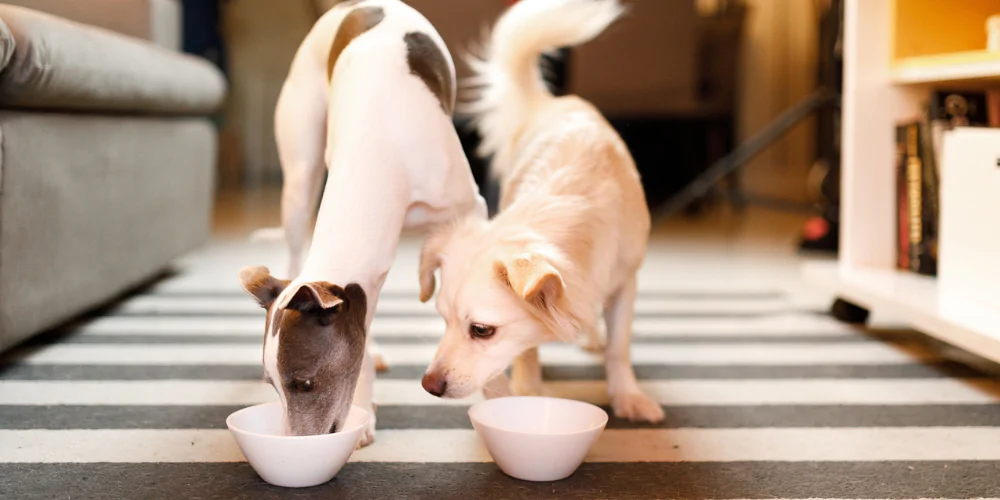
434 384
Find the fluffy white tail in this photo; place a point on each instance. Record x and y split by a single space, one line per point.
508 83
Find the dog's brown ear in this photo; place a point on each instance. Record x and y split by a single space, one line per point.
430 261
355 299
258 282
532 278
314 297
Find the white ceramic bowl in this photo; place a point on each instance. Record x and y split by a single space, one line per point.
536 438
293 461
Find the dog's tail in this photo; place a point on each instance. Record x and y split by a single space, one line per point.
508 81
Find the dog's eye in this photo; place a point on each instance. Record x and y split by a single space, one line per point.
302 384
481 331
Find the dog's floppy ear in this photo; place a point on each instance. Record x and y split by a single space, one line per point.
430 261
355 299
313 297
258 282
532 278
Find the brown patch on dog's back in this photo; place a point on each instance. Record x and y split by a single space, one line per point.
430 65
355 23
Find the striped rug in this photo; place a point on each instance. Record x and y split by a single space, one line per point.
763 400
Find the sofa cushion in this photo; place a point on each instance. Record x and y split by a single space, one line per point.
60 64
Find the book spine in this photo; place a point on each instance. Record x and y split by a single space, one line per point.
927 249
902 202
993 105
913 192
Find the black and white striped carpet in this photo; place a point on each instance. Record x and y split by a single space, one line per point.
762 400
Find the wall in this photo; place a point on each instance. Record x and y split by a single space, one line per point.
261 37
643 64
778 70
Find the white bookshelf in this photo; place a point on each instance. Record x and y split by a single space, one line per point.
889 69
962 323
963 69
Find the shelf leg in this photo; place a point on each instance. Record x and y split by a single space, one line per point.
848 312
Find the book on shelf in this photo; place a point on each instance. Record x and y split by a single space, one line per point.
918 170
993 107
924 243
902 202
916 190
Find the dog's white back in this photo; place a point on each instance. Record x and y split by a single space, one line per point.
387 134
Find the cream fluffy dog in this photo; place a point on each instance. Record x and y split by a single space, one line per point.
572 233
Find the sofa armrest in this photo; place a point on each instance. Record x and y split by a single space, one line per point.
64 65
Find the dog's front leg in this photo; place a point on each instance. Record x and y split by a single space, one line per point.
381 361
364 397
299 128
372 349
299 196
526 374
593 340
627 399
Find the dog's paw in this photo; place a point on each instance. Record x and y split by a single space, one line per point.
593 339
378 358
381 363
369 435
636 407
367 438
594 345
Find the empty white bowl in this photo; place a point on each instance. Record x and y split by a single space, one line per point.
536 438
293 461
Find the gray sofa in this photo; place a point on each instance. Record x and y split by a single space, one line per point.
107 159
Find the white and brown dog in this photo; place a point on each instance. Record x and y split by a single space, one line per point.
570 237
368 103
